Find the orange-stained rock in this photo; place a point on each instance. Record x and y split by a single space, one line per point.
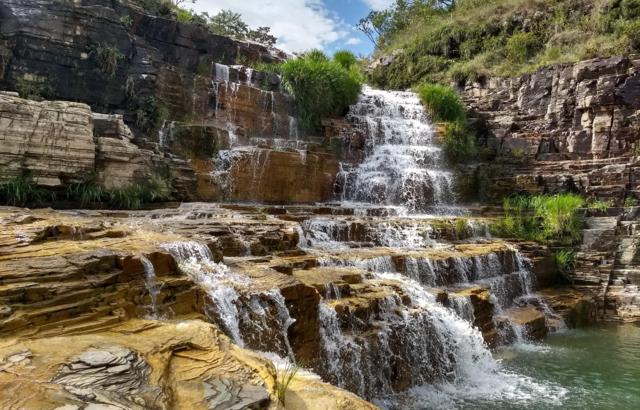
282 177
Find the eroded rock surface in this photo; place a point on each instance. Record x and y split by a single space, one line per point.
570 127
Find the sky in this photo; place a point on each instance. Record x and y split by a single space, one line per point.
302 25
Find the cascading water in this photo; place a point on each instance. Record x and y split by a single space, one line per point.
402 166
255 319
419 343
153 288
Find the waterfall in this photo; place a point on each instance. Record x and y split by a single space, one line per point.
257 319
152 286
402 166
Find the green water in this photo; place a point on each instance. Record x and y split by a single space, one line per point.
594 368
598 368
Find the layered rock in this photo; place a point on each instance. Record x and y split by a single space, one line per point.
52 139
79 282
573 127
156 56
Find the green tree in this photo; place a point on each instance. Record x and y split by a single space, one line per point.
228 23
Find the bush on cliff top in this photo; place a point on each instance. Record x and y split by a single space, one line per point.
434 42
320 87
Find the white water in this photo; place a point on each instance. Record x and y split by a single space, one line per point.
153 288
255 319
402 166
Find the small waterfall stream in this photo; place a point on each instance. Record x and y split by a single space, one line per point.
256 319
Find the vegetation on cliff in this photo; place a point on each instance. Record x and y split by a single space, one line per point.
444 105
467 40
544 218
321 87
23 190
225 23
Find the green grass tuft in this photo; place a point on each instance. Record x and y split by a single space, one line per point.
442 103
543 218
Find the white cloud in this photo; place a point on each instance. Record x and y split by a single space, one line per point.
379 4
353 41
299 24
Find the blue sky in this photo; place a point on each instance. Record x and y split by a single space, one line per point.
305 24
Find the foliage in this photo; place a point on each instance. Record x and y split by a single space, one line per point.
630 202
459 142
521 47
127 21
442 102
31 87
316 55
502 37
150 114
286 375
230 24
320 88
558 216
86 193
345 58
227 23
600 205
125 198
107 57
564 260
22 190
545 218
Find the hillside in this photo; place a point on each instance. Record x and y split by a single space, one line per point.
471 39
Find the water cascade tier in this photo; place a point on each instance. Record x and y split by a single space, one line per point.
402 164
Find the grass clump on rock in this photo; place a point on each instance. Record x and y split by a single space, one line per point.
442 102
22 190
321 88
444 105
543 218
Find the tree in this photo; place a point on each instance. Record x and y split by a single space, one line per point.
262 35
228 23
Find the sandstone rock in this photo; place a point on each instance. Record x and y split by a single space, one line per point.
52 140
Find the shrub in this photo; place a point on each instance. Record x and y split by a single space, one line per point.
150 114
442 102
630 9
31 87
600 205
459 142
545 218
559 217
107 57
320 88
631 31
345 58
630 202
22 189
155 189
316 55
127 21
564 260
521 46
86 192
125 198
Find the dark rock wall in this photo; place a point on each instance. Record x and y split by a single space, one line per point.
570 127
51 45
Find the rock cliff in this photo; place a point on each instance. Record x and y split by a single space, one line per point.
569 127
